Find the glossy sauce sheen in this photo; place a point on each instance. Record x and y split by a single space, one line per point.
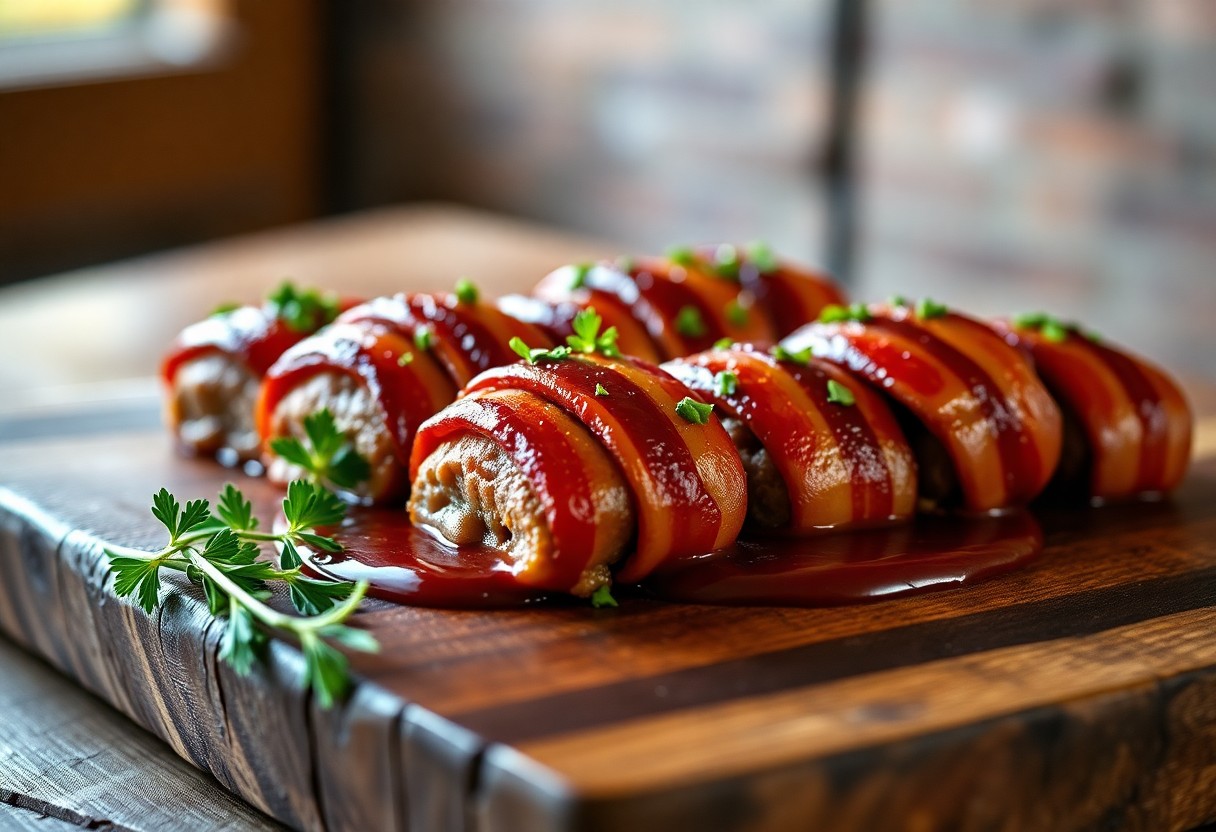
248 334
406 565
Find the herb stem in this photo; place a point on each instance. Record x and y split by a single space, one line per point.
272 617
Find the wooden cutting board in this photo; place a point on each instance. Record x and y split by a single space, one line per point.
1077 693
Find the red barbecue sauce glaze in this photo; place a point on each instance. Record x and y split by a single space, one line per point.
409 566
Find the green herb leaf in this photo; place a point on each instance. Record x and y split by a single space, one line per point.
682 256
694 411
332 457
424 338
239 643
405 359
311 597
352 638
223 555
898 300
578 275
600 390
535 354
927 309
319 541
1054 331
138 577
348 467
1051 328
234 509
224 309
309 505
466 291
586 326
292 450
587 337
723 343
760 255
802 356
736 313
322 432
521 349
325 671
290 558
726 262
839 394
726 383
602 597
835 313
1031 320
302 310
689 323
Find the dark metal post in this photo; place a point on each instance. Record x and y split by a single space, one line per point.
848 42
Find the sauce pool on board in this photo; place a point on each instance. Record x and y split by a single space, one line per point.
409 566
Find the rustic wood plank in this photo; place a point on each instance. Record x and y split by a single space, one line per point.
72 761
17 819
505 719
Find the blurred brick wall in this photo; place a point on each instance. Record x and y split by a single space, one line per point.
1061 155
645 121
1017 153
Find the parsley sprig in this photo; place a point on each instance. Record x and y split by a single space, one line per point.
328 456
303 310
1052 328
224 552
587 339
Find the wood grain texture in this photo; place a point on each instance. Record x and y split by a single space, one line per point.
1077 693
66 762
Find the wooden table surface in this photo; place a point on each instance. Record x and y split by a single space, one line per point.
67 759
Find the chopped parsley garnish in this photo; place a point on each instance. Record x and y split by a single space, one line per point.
928 309
405 359
726 383
802 356
723 343
682 256
694 411
726 262
898 300
424 338
578 275
600 390
1052 329
835 313
466 291
224 309
302 310
689 322
587 337
602 597
839 394
760 255
534 354
328 455
736 313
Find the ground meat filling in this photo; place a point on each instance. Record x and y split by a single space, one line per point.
768 499
211 407
356 413
470 492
